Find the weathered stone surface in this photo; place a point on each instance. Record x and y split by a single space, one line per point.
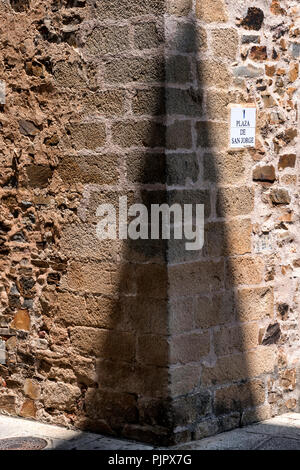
217 104
244 270
184 102
212 73
195 278
211 11
227 238
187 348
240 367
107 102
240 338
288 379
178 69
250 38
153 350
121 8
212 134
180 167
216 310
179 7
148 35
87 135
186 37
68 75
223 168
92 342
183 379
146 167
225 43
149 101
296 50
135 70
107 39
294 72
255 304
276 8
238 397
179 135
235 201
99 169
138 134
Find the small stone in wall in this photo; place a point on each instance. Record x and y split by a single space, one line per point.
270 70
290 135
276 8
254 19
31 389
283 310
264 173
274 54
287 161
8 403
28 409
248 71
288 379
2 352
268 100
2 92
279 196
276 117
293 72
291 404
250 38
286 216
21 320
28 128
283 44
272 334
258 53
296 49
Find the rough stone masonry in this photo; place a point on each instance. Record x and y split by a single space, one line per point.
102 98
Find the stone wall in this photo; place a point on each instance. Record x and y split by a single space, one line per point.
234 308
107 98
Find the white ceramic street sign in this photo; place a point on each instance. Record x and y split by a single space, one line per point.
242 127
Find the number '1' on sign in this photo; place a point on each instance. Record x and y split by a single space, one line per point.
242 126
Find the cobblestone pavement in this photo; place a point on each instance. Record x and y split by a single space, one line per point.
280 433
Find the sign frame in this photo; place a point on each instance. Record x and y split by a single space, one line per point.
245 126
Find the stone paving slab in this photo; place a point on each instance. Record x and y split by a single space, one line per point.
280 433
279 444
62 438
238 439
